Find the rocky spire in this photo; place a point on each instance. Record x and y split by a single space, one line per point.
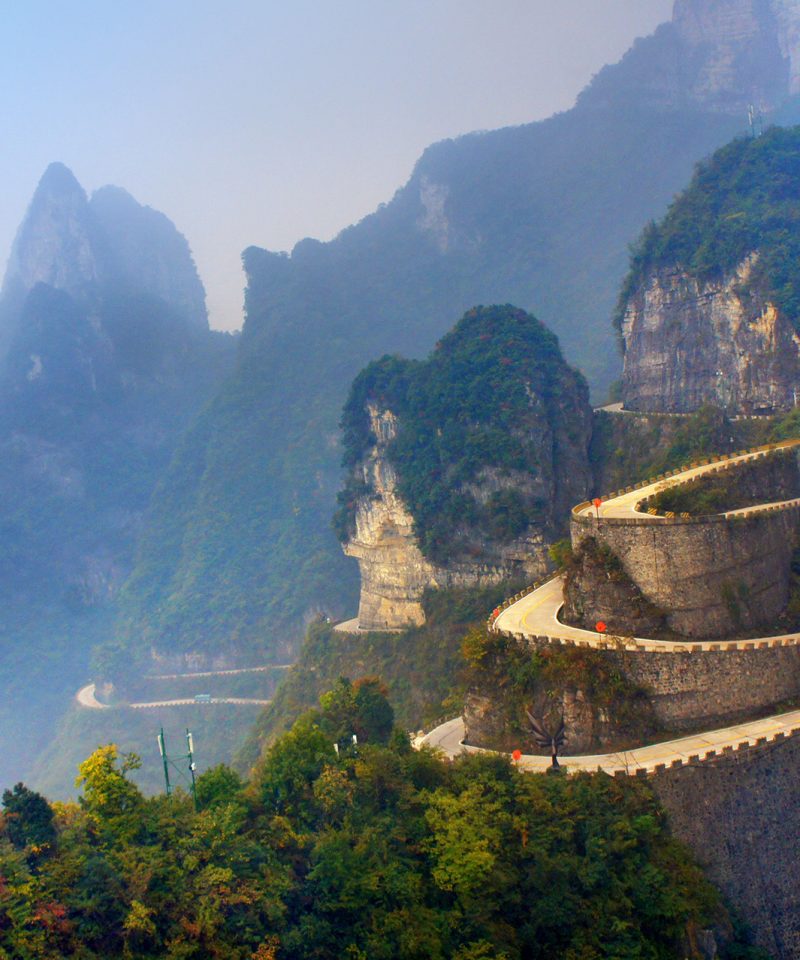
53 244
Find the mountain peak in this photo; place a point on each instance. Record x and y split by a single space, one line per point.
59 179
53 243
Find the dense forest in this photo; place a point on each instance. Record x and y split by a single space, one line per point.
348 843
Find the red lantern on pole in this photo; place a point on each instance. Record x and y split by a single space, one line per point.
596 504
601 626
516 756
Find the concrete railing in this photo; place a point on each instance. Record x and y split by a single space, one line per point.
603 642
723 459
633 645
736 742
510 601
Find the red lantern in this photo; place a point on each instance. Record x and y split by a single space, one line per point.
600 626
596 502
496 612
517 755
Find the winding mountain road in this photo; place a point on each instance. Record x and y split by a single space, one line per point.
536 616
86 698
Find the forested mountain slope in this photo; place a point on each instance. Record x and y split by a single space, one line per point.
240 553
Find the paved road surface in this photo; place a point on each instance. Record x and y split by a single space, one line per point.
536 615
86 698
702 746
624 505
219 673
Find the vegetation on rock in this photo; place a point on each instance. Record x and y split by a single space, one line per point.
734 488
514 677
490 430
742 201
422 666
627 449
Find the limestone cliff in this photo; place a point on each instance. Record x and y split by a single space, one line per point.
718 56
736 49
54 244
462 466
394 571
690 342
710 310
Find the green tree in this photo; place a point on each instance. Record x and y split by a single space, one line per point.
28 818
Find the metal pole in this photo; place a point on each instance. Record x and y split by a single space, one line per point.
163 750
192 765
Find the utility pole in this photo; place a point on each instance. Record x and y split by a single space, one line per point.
755 120
163 750
192 764
174 761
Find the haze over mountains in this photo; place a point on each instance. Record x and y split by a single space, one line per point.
109 363
539 215
106 355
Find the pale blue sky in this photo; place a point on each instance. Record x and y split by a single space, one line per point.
263 122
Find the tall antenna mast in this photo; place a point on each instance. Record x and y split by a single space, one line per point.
192 764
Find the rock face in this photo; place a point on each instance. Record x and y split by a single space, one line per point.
715 55
597 588
55 242
590 727
394 572
690 343
463 465
736 49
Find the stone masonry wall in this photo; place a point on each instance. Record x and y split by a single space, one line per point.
741 817
711 576
712 688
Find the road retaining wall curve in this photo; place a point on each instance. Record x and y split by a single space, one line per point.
709 687
712 575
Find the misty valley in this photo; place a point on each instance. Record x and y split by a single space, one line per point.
450 608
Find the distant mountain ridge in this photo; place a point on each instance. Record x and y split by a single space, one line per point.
105 357
539 215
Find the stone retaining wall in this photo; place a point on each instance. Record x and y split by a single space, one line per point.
688 689
741 817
